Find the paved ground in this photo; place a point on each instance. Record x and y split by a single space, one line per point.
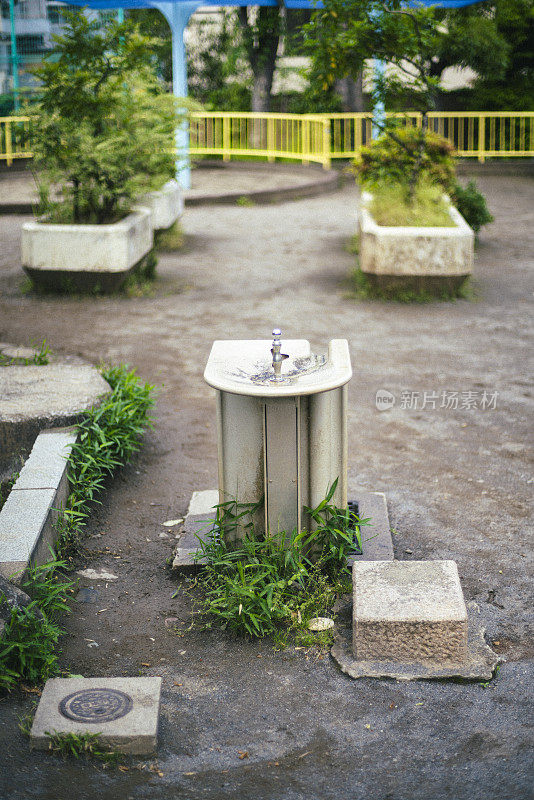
19 187
459 482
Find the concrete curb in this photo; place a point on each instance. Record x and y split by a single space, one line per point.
324 182
29 514
320 182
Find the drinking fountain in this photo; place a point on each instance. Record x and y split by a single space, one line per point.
281 426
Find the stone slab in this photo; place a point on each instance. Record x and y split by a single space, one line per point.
46 464
377 544
137 699
33 398
14 351
408 611
27 519
376 538
198 521
479 664
51 390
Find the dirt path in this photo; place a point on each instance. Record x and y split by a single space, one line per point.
458 481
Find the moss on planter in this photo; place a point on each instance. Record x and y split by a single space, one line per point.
409 288
134 282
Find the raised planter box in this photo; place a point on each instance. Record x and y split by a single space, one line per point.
86 257
426 257
166 205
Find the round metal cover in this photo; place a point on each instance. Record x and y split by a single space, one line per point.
96 705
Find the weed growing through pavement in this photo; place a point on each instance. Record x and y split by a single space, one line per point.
108 436
77 745
491 682
363 288
28 646
39 358
171 239
274 585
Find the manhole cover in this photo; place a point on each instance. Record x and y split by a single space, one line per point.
96 705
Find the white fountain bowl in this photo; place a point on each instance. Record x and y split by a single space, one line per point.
245 367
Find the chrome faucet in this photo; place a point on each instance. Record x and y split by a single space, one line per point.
278 357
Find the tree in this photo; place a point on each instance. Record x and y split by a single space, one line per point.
345 33
103 126
496 40
262 27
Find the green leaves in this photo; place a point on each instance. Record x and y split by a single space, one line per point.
28 646
103 129
471 204
108 436
261 585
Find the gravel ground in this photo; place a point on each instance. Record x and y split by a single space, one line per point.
458 482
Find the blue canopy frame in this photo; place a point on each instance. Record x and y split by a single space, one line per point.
178 12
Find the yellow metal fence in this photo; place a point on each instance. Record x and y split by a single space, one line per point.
14 138
319 138
473 134
228 134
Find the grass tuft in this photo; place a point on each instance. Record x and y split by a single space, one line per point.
274 585
108 436
39 358
28 646
77 745
363 287
171 239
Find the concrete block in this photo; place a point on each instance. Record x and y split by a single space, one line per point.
412 251
199 520
33 398
408 611
47 462
376 537
166 205
124 711
81 257
26 527
96 248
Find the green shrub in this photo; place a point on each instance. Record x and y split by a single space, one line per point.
391 158
400 165
471 204
103 129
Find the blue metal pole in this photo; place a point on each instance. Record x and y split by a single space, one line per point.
14 56
120 15
379 109
177 15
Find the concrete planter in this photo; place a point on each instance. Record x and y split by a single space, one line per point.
166 205
85 257
425 257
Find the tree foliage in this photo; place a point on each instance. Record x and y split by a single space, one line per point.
104 125
495 39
